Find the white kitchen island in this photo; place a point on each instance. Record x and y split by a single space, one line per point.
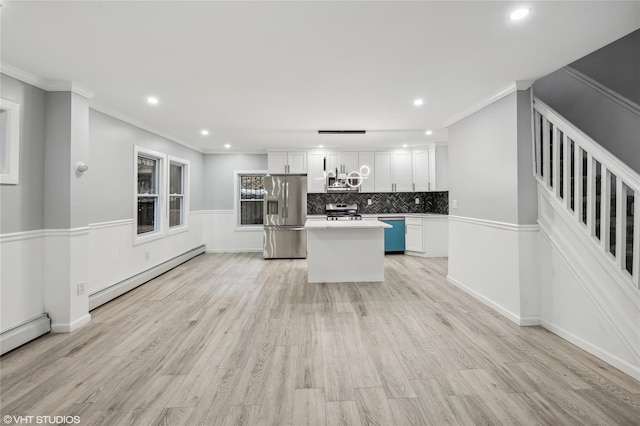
345 251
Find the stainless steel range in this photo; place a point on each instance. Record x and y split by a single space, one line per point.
342 211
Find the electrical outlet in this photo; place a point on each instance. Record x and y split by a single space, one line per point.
454 204
369 201
417 200
80 288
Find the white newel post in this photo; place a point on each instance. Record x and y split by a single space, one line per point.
66 211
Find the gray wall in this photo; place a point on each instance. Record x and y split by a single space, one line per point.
616 66
612 125
483 166
219 174
23 204
111 175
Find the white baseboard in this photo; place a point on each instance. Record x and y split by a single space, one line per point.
620 364
101 297
24 333
239 250
490 303
68 328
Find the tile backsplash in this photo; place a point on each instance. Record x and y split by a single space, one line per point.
384 202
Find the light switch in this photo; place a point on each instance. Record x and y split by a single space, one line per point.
454 204
368 201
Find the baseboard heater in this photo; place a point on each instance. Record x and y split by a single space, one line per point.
25 332
103 296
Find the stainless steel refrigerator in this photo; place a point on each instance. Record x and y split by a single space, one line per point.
285 212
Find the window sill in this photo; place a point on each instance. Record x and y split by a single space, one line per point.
147 237
178 230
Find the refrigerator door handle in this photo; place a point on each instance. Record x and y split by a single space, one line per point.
286 200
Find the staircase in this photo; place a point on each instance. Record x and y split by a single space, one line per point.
595 189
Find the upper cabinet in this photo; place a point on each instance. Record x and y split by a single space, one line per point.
315 173
438 168
287 162
366 165
393 171
421 170
431 168
343 162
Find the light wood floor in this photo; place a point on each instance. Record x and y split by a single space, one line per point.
233 339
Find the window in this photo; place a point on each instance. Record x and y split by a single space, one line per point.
178 183
148 196
161 194
250 196
9 142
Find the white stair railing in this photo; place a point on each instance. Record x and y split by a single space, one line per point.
598 191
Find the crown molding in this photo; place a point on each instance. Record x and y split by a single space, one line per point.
515 86
140 124
68 86
22 75
48 85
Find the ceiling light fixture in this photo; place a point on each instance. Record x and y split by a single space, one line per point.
428 132
418 102
404 145
320 146
227 145
204 132
519 14
152 100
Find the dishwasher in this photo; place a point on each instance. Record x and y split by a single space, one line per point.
394 238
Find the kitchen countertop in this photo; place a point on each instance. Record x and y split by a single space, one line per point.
315 223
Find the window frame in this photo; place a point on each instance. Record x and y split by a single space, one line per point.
159 231
12 177
237 199
186 165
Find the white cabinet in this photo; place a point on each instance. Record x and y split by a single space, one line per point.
421 170
393 171
315 172
413 234
431 168
343 162
427 236
366 165
438 168
287 162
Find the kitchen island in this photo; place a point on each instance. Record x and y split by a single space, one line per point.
345 251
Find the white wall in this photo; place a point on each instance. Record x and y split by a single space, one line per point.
492 232
580 299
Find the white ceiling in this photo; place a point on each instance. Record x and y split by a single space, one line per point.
270 74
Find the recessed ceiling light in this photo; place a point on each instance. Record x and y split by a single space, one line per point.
227 145
152 100
428 132
320 146
404 145
519 14
418 102
204 132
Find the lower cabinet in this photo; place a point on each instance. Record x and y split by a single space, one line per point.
413 240
427 236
